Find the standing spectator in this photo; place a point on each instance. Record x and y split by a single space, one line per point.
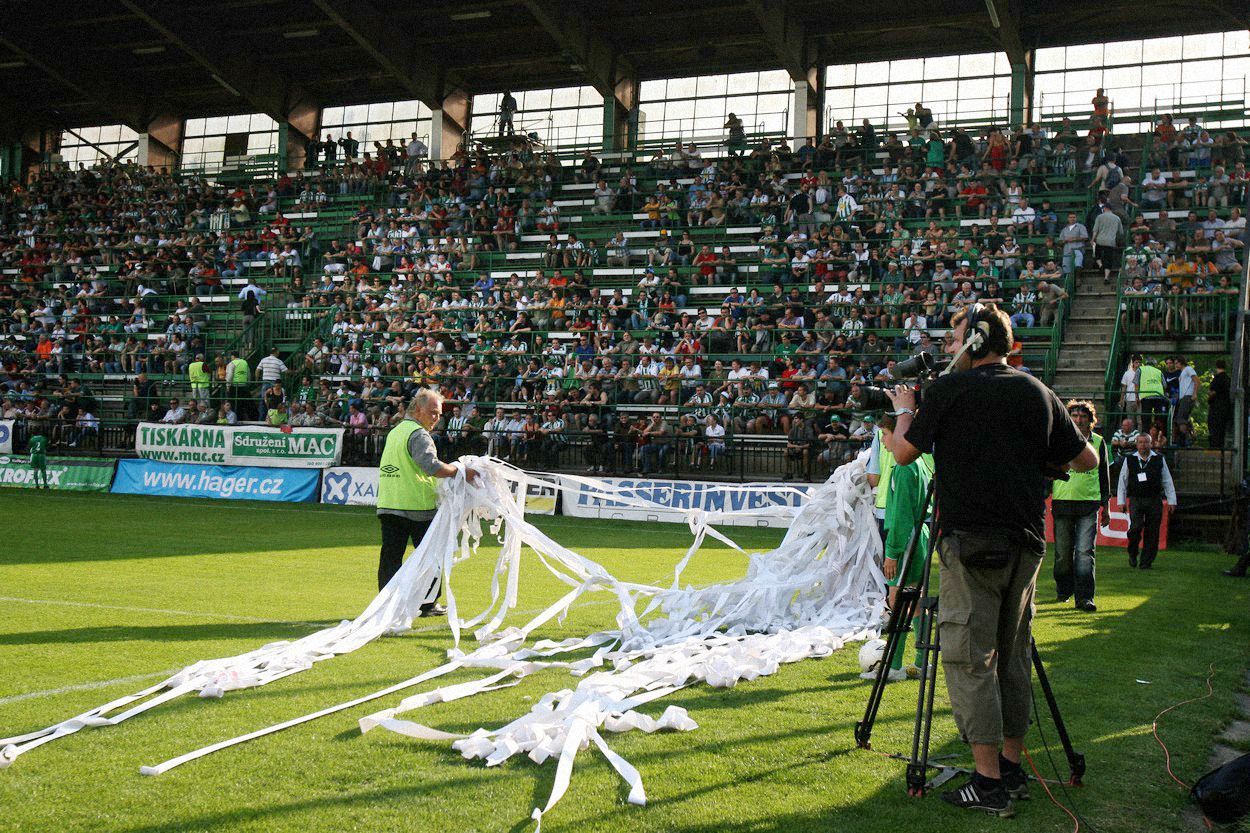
507 109
1144 483
350 146
1219 406
1128 388
798 450
1187 392
270 370
1108 232
1073 237
657 437
1075 506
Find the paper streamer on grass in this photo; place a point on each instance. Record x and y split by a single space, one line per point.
819 588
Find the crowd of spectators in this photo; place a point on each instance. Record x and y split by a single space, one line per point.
835 259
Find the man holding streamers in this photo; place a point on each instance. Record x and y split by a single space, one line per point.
408 488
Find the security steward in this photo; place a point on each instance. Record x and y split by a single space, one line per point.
1151 394
198 376
1144 482
408 488
994 432
1074 507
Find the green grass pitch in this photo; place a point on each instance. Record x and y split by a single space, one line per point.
103 595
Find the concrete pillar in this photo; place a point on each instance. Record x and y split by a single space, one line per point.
805 107
449 123
11 162
1020 103
161 145
302 124
620 116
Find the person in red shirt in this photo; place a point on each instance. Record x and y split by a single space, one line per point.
706 263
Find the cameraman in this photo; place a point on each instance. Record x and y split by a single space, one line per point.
993 431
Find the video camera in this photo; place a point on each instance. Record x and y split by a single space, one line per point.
922 367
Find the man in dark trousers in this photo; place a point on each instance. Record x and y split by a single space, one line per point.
408 487
1144 482
1074 507
1219 406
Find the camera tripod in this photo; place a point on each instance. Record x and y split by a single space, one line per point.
928 642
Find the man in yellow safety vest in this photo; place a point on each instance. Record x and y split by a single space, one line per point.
408 487
1074 507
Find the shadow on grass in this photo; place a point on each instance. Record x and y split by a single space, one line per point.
271 631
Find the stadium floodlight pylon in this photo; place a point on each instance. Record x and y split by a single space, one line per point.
816 591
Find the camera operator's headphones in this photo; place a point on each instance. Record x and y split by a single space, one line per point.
977 334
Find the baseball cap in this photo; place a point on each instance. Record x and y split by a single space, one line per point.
772 385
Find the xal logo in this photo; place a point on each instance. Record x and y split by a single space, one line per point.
335 490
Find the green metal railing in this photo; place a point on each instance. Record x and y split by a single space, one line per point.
1210 317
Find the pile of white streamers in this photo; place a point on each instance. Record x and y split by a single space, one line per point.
820 588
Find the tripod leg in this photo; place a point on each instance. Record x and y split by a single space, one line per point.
1076 761
896 629
900 620
928 643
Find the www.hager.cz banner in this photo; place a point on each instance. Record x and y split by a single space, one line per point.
150 477
240 445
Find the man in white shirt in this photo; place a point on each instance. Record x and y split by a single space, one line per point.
1143 484
176 413
1187 391
1128 384
270 370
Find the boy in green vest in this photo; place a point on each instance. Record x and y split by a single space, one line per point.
39 460
1074 507
408 488
904 511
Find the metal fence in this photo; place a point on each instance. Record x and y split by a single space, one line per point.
1179 316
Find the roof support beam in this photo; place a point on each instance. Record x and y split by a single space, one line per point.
601 63
131 113
1005 19
197 33
785 35
400 58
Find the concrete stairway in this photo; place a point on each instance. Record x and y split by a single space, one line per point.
1086 347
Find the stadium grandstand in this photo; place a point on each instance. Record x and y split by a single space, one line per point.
616 239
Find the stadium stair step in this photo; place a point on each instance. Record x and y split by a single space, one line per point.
1082 363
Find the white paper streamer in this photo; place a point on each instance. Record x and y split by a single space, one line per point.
820 588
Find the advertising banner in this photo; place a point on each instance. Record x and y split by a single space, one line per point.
6 436
1116 533
581 502
70 474
150 477
350 486
240 445
358 486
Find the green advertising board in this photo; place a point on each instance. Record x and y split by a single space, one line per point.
71 474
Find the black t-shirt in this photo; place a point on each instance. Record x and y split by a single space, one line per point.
991 429
1220 390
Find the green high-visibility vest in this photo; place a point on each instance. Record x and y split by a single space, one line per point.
885 462
402 484
198 375
1082 485
238 371
1151 382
